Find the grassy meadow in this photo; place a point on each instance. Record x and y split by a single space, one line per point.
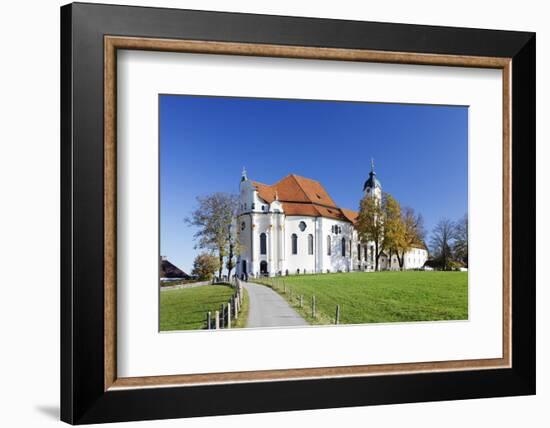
373 297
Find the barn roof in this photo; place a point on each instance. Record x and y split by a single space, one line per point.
168 270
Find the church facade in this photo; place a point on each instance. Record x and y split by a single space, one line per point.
294 227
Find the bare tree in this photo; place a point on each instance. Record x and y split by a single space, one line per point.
234 249
213 218
443 237
461 240
413 233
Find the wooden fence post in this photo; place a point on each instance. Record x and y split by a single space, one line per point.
229 315
337 319
217 325
313 306
222 316
209 320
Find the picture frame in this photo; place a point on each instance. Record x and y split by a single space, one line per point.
91 391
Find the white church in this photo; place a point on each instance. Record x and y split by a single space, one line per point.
294 227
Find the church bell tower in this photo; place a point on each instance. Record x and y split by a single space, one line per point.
373 187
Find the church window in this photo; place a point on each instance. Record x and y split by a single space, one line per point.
294 239
310 244
359 252
263 243
329 251
343 247
253 205
263 207
243 225
302 226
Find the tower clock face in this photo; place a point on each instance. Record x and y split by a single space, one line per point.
302 226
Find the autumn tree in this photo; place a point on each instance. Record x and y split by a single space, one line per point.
412 233
213 219
460 247
393 233
370 225
379 222
442 241
205 266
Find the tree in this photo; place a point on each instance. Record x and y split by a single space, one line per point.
413 233
370 224
461 240
393 233
376 223
234 249
205 265
442 241
213 218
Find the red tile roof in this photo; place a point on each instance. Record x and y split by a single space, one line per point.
303 196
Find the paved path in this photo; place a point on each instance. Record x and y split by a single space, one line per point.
268 309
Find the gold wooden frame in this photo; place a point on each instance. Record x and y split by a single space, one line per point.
113 43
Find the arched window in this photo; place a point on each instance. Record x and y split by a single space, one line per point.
359 252
343 247
329 251
294 239
365 253
263 243
310 244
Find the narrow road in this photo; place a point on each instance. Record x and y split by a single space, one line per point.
268 309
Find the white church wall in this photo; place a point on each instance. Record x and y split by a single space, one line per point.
334 261
246 196
303 260
415 258
244 227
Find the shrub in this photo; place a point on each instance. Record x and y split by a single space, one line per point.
205 266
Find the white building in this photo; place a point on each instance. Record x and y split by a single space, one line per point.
294 226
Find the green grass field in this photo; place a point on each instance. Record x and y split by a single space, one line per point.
371 297
185 308
241 321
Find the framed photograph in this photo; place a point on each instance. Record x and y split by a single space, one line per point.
292 213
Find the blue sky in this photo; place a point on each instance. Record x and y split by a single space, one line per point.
420 154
